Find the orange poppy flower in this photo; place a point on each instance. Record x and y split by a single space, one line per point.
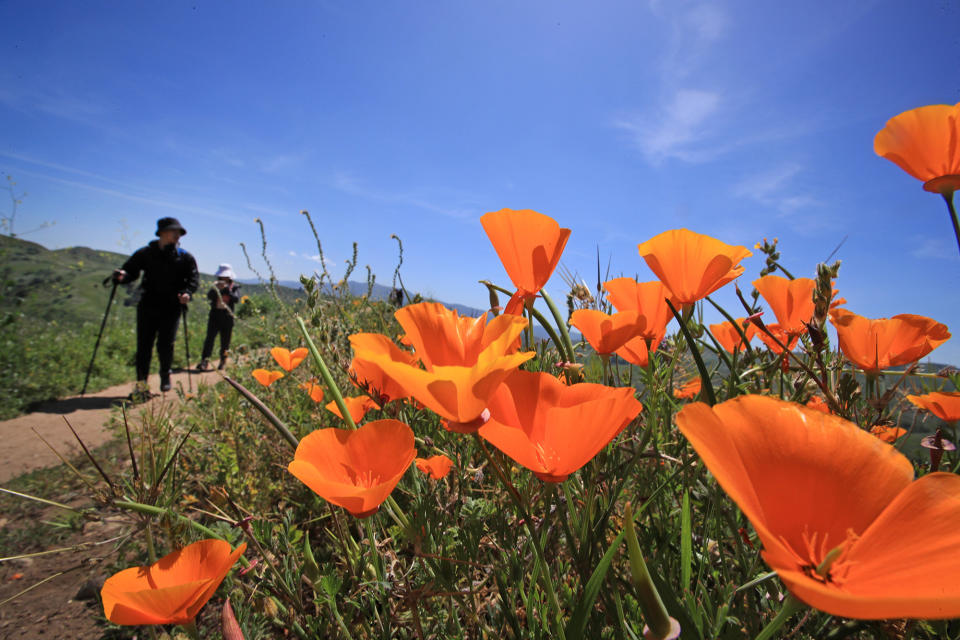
788 340
371 378
437 467
173 589
692 265
790 300
853 544
554 429
925 142
358 407
886 342
464 359
728 337
834 300
943 404
688 389
314 390
818 404
887 434
635 351
289 360
608 332
649 298
529 245
266 378
356 470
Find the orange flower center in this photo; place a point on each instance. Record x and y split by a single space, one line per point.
364 479
829 566
546 456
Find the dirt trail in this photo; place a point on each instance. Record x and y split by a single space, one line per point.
22 451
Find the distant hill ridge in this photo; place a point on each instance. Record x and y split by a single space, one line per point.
67 283
379 292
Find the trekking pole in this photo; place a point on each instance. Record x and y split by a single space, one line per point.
186 344
96 345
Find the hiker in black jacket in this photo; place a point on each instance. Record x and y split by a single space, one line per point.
223 297
170 278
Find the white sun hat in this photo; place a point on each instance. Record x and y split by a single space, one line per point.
226 271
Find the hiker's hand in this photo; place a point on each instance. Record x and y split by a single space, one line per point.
184 298
119 275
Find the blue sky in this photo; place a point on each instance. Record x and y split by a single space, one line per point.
619 119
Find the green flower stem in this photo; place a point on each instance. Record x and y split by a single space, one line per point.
528 305
701 367
151 549
160 512
395 509
654 613
325 374
375 558
397 513
790 606
736 325
534 539
918 374
832 401
332 603
264 410
948 198
566 357
190 628
561 325
27 496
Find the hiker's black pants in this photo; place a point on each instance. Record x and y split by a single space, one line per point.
219 323
156 324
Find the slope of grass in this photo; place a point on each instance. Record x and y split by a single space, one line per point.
51 305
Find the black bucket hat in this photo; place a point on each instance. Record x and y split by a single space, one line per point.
165 224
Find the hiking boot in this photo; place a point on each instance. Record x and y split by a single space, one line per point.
140 393
223 364
164 382
204 365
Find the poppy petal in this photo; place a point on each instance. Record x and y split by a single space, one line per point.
905 565
355 469
528 243
785 464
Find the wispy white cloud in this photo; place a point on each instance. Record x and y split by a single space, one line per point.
937 248
777 189
272 211
316 258
64 168
133 197
53 100
681 120
677 129
281 162
692 28
348 183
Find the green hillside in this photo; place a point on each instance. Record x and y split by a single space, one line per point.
51 306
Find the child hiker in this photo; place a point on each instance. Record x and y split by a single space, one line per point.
223 296
170 278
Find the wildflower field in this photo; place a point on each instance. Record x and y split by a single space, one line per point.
391 469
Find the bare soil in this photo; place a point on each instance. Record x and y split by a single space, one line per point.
22 451
63 601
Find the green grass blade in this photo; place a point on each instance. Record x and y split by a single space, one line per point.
581 613
686 543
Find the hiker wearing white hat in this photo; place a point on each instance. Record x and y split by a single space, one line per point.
223 297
